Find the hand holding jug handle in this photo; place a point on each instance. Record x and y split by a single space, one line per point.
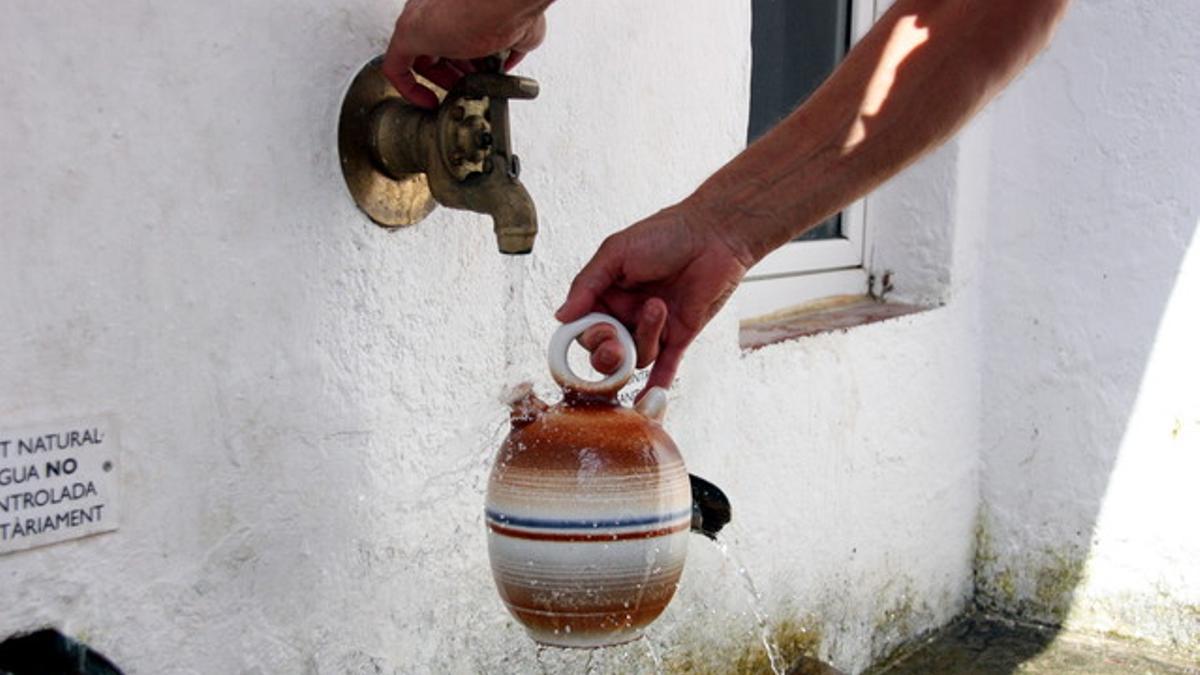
560 342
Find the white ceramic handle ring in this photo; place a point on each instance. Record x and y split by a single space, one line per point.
561 341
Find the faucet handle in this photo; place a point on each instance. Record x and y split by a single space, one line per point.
473 123
495 85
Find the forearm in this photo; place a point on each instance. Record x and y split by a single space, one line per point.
921 72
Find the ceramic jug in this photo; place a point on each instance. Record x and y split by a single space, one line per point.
588 506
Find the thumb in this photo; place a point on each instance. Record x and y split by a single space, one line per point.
665 366
533 36
591 282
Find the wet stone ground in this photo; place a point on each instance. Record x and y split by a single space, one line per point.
980 646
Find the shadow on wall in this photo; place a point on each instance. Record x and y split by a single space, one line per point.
1091 273
1090 286
1059 494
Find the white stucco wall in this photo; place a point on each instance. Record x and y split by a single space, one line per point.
1091 282
307 404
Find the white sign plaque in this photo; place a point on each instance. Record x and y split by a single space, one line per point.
57 482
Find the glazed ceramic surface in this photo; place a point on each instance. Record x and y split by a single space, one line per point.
588 508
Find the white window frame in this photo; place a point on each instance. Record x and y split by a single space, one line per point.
803 271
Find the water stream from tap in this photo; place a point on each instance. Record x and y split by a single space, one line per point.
754 599
516 270
653 652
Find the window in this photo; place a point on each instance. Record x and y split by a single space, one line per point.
795 45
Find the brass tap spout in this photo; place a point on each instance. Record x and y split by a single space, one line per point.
459 155
515 220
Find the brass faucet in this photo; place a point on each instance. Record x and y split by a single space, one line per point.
399 159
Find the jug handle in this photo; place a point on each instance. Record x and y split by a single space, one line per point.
560 369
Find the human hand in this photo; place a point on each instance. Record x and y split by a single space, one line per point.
438 39
664 277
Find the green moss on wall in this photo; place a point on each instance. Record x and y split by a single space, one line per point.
796 641
1037 587
1054 584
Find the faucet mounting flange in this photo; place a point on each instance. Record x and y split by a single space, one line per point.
390 201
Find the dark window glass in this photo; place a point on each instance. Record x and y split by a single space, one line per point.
795 45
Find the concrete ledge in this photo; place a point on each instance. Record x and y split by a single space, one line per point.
821 316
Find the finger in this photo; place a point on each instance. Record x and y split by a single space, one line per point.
514 57
397 68
597 335
620 305
606 350
595 277
665 366
652 320
624 306
464 66
608 356
437 71
532 37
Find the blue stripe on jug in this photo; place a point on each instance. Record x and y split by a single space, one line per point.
544 523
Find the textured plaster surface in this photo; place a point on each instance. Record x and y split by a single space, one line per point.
1091 283
307 404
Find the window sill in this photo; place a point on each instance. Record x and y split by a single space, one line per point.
839 312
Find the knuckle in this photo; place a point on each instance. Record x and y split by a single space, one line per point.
610 243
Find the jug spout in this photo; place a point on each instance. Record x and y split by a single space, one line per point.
711 510
524 405
653 404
